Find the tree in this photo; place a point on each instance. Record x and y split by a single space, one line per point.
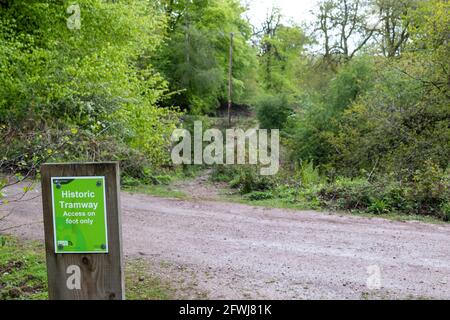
268 51
195 56
429 47
312 129
273 112
281 55
344 27
394 25
400 125
91 80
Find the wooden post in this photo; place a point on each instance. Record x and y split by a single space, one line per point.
100 274
230 79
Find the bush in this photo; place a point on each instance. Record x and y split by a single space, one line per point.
245 178
349 194
163 179
96 83
310 175
248 180
396 196
445 209
378 206
260 195
128 181
431 189
223 173
427 195
314 126
273 112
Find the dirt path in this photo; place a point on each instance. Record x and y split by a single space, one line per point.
200 188
238 251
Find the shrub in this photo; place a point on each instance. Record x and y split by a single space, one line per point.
223 173
260 195
287 193
445 209
431 189
247 179
163 179
128 181
378 206
349 194
427 194
310 175
273 112
96 83
397 196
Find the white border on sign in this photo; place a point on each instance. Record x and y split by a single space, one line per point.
104 207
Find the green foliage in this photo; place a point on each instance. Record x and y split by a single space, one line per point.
248 180
318 119
309 175
22 270
382 123
244 178
352 80
378 122
273 112
196 53
387 125
128 181
163 179
259 195
431 189
378 206
282 59
425 196
406 108
147 178
95 82
349 194
445 209
224 173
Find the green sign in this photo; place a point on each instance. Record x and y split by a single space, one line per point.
79 214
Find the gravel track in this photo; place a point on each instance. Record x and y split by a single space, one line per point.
234 251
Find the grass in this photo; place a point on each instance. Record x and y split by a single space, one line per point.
280 203
395 216
231 195
165 191
22 269
141 286
269 203
23 274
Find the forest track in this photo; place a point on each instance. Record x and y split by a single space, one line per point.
234 251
